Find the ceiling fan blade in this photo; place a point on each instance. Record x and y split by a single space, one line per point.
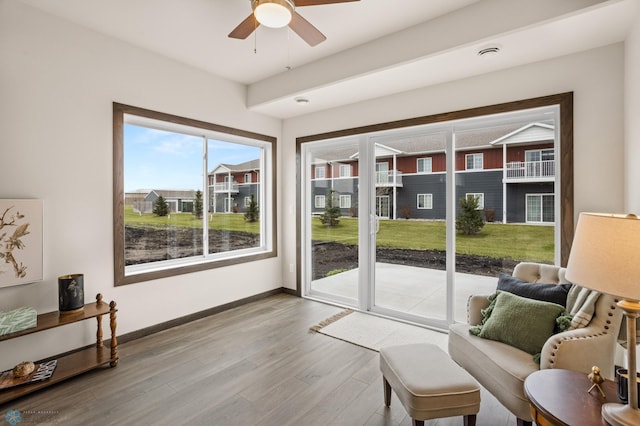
319 2
305 30
245 28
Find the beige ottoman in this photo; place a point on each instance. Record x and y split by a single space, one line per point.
429 384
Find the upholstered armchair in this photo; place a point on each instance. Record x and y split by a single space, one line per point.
502 369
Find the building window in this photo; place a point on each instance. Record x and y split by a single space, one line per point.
474 161
345 170
479 196
319 202
424 165
319 172
163 154
540 208
425 201
345 201
247 178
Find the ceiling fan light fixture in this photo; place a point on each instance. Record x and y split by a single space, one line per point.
273 13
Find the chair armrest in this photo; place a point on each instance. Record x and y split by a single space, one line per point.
581 349
474 305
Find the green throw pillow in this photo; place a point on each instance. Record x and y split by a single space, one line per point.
520 322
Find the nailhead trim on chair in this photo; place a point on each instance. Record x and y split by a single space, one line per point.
605 332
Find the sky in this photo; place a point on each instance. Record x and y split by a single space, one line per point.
157 159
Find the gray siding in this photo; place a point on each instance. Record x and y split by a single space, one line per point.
244 190
422 184
342 186
488 182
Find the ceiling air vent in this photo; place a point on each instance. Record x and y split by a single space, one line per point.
489 51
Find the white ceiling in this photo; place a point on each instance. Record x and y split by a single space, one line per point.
373 47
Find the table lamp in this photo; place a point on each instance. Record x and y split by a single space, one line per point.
605 256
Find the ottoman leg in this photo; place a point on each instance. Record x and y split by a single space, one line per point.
417 422
387 392
470 420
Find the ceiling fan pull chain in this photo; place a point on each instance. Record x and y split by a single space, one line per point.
288 67
255 42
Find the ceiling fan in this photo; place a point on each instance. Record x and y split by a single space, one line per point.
280 13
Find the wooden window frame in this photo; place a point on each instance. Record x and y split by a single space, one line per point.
564 101
120 277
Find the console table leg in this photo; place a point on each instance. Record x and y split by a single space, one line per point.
99 319
114 340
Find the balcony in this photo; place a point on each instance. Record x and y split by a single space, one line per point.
386 179
531 171
226 187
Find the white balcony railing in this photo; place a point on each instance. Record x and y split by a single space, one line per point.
226 187
533 170
386 178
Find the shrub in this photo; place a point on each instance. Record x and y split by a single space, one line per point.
331 215
252 213
469 221
160 207
197 205
406 212
489 215
335 272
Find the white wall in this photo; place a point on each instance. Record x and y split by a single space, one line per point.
595 77
632 121
57 85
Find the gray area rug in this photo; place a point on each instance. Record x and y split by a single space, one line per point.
374 332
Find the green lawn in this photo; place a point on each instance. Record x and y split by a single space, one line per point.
520 242
227 221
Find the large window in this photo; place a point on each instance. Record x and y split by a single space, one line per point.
474 161
182 189
425 201
345 201
478 196
424 165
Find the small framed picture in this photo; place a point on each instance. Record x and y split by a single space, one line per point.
20 242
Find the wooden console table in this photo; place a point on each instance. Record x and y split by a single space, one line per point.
76 362
560 397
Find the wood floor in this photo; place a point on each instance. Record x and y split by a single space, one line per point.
253 365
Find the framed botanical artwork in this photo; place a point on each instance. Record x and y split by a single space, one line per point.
20 242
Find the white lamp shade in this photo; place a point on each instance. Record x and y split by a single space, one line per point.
273 14
605 255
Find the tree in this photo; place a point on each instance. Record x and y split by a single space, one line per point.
469 221
331 215
197 205
252 213
160 207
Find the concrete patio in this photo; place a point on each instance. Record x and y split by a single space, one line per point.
409 289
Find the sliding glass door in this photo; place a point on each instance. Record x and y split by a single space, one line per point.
409 222
410 257
331 221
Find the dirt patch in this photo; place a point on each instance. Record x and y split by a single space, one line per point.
147 244
331 256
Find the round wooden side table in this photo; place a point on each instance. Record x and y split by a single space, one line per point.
560 397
